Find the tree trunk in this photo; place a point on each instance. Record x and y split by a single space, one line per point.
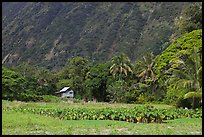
193 102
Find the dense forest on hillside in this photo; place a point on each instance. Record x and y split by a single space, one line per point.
172 75
47 34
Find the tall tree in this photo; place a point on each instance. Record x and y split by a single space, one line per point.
121 65
96 81
12 84
74 74
144 68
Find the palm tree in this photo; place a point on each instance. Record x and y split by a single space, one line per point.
144 70
121 64
146 67
189 75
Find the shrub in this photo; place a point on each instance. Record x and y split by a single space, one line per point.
50 98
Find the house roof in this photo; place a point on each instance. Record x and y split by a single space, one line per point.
63 90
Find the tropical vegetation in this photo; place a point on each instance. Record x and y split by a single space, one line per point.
174 77
171 76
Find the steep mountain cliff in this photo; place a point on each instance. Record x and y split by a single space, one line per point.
49 33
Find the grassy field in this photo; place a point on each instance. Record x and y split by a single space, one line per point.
18 123
63 104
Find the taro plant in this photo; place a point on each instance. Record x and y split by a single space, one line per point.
135 115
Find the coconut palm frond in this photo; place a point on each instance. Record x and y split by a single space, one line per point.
193 94
112 66
199 74
142 74
181 83
128 68
115 70
177 83
200 70
180 74
120 69
187 83
125 71
152 75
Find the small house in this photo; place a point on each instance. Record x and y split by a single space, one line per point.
66 92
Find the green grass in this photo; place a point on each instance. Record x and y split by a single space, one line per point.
63 104
18 123
30 124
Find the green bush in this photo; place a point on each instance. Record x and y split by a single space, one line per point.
28 97
50 98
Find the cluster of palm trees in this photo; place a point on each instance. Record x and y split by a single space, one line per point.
121 65
188 74
143 70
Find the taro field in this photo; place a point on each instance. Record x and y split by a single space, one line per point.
65 118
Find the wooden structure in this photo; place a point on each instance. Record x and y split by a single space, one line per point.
66 92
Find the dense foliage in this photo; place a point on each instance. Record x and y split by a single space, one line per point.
74 74
147 114
171 59
12 84
25 87
172 76
118 80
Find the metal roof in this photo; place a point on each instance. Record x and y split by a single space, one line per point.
63 90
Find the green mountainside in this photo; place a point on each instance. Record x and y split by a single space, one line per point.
49 33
